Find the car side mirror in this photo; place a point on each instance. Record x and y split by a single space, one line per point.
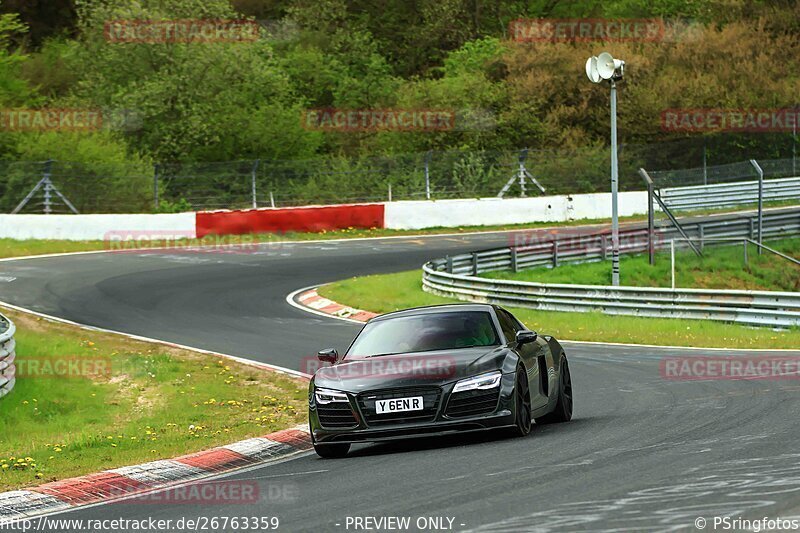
328 356
524 336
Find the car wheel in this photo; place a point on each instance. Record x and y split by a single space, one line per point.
563 409
331 451
522 404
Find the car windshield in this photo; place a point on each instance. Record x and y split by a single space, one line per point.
425 332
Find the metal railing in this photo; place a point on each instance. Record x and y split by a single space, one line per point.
457 276
730 194
7 356
530 248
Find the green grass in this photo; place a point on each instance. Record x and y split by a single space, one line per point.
390 292
719 268
157 402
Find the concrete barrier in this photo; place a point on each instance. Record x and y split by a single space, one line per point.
392 215
271 220
492 211
93 227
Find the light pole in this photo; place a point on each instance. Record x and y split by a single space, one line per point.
605 67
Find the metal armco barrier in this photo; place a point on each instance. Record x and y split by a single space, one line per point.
456 276
729 194
7 355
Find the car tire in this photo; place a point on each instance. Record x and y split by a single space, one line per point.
522 405
332 451
563 409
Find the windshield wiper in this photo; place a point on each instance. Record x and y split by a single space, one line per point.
382 354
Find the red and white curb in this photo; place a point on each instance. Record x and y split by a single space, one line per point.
309 300
129 481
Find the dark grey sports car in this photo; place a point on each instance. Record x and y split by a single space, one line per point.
437 370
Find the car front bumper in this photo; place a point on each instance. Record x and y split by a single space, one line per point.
500 419
501 416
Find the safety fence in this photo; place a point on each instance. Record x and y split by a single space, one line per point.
7 356
730 194
142 186
727 185
457 276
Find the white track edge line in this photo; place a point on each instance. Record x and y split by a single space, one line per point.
242 360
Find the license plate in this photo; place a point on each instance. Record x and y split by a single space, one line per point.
397 405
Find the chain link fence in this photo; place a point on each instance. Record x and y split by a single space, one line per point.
51 186
115 188
727 173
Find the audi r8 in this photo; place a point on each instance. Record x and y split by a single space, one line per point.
438 370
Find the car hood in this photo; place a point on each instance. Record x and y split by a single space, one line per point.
404 370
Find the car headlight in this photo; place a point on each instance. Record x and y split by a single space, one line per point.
324 396
489 380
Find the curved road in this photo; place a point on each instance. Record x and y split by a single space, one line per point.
641 453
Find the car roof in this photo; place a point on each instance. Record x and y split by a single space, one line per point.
433 309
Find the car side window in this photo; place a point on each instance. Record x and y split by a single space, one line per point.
508 325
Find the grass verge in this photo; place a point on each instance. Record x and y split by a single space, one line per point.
390 292
719 268
156 402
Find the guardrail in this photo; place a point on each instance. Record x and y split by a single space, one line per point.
529 248
457 276
730 194
7 356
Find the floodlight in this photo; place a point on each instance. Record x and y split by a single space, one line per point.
591 70
608 67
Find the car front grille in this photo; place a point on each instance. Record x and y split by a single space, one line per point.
472 403
430 404
336 415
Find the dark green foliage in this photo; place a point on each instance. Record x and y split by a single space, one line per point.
188 106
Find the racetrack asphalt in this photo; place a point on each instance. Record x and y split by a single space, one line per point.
641 453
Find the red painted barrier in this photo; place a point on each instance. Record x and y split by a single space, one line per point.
329 217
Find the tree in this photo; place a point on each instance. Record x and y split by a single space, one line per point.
196 101
13 89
